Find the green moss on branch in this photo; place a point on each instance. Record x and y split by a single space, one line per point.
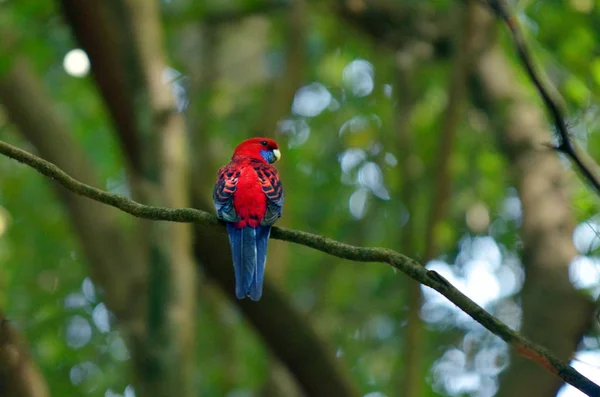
407 265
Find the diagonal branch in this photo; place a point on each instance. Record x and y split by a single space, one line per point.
545 91
288 336
408 266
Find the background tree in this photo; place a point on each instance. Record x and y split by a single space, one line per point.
406 125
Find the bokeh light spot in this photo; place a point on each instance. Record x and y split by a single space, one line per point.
76 63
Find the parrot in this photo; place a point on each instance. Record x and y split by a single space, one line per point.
248 197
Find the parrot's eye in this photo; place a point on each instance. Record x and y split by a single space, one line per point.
264 143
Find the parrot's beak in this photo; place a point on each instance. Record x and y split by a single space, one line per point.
277 154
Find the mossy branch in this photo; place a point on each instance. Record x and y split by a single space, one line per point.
407 265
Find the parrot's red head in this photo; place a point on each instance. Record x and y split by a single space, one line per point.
264 149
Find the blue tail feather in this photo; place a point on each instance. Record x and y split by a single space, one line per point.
262 241
243 252
249 254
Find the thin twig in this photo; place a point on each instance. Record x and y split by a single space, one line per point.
408 266
565 145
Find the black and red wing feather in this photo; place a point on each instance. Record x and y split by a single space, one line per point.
271 187
227 179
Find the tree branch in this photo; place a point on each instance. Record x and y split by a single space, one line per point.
289 336
546 229
120 270
547 93
401 262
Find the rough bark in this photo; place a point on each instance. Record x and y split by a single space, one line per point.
19 375
554 313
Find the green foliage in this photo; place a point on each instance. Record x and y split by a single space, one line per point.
342 171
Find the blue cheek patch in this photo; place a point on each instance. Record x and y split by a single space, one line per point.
268 156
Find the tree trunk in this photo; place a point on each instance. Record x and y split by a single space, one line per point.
555 315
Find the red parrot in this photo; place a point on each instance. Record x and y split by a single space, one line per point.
248 196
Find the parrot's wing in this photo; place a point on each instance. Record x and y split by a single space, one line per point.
227 179
271 186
